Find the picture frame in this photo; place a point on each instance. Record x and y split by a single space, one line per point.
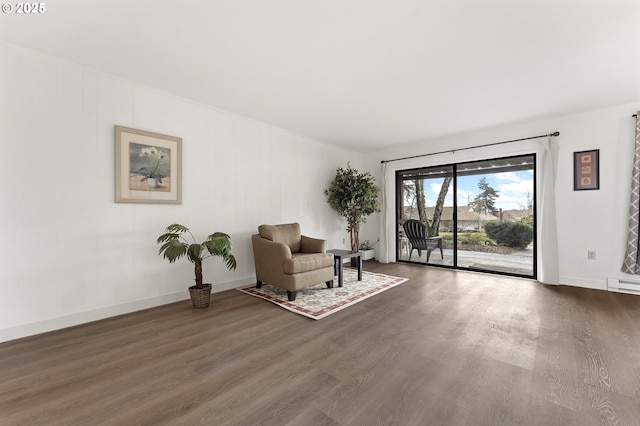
586 170
148 167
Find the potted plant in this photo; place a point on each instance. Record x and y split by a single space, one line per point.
354 196
175 245
367 251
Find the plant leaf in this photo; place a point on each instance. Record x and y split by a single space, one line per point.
177 228
194 252
230 262
173 250
219 244
167 237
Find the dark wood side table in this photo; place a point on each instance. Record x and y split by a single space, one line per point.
339 256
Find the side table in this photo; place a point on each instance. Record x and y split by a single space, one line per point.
339 256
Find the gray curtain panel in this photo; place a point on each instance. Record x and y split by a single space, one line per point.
631 263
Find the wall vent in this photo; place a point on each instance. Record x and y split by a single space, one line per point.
623 286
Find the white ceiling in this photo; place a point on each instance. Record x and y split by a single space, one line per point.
363 74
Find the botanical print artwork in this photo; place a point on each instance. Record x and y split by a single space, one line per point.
149 168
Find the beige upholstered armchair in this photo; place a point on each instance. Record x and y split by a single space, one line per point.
286 259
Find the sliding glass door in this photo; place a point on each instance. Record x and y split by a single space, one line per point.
476 215
426 196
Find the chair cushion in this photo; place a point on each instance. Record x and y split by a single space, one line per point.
303 262
288 234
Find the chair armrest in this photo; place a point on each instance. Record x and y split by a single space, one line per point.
312 245
268 253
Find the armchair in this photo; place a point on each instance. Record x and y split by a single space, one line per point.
287 259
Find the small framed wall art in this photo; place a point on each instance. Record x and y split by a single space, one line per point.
586 170
148 167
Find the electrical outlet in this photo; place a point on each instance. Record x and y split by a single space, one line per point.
344 240
591 255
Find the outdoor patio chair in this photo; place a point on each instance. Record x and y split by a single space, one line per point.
417 234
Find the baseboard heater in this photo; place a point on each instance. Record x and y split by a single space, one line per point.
623 286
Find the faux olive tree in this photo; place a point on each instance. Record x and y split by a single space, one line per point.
354 196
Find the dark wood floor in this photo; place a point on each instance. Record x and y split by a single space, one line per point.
444 348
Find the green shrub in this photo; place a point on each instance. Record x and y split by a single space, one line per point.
511 234
528 220
497 230
447 236
477 238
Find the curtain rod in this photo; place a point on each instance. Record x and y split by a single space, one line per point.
471 147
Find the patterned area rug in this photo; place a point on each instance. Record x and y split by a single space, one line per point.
319 301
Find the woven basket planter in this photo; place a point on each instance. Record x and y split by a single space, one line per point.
200 297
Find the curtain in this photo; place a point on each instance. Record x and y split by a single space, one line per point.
631 264
387 242
548 271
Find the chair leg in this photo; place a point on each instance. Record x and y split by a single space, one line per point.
291 295
330 284
258 284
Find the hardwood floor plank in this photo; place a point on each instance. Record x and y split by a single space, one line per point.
445 348
312 416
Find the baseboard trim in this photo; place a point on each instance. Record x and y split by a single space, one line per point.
584 283
52 324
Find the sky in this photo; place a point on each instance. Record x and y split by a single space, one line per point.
514 189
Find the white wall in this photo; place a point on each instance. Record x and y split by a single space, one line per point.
586 220
69 254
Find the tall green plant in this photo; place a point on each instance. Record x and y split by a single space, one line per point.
354 196
485 202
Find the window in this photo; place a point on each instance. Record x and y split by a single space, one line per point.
476 215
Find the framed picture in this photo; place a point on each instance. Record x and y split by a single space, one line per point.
586 170
148 167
